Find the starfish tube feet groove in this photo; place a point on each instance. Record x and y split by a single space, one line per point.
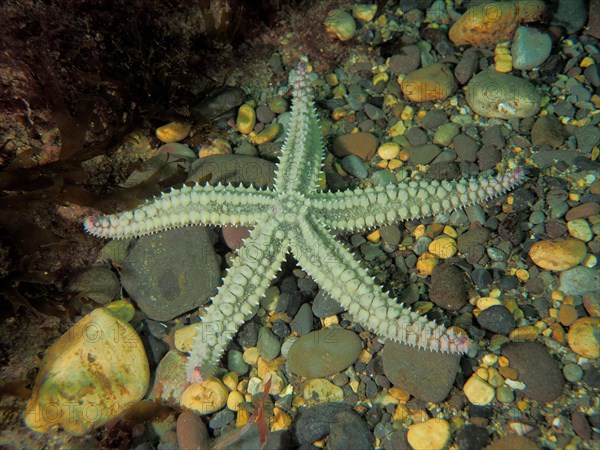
297 216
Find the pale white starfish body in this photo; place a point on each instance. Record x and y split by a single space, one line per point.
296 216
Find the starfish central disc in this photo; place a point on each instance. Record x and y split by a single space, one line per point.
291 208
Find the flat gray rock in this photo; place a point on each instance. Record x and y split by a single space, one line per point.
170 273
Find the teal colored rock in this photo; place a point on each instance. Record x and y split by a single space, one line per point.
268 344
354 166
530 48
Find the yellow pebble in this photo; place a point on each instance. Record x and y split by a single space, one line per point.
444 247
450 231
389 150
269 134
184 337
339 113
330 320
173 132
280 420
490 359
398 129
394 164
374 236
331 79
234 399
433 434
382 164
250 356
206 397
526 333
246 119
321 391
503 361
408 113
399 394
419 231
482 373
522 275
586 62
380 77
426 263
478 391
231 380
243 416
401 413
486 302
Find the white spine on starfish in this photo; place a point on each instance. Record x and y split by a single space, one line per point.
340 274
375 206
198 205
247 280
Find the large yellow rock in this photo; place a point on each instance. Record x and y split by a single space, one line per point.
434 82
558 254
490 23
584 337
94 372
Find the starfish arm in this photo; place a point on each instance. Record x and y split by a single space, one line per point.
303 149
237 300
335 270
197 205
359 209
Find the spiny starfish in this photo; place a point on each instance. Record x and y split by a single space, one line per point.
297 216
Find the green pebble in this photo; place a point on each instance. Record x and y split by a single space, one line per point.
573 373
270 299
383 178
278 105
268 344
235 362
505 394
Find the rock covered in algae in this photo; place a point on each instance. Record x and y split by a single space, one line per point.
90 375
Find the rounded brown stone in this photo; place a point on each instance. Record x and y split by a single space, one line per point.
363 145
582 211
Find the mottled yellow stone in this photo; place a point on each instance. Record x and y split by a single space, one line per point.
234 399
434 434
398 129
584 337
558 254
486 302
231 380
269 134
399 394
280 420
250 355
526 333
374 236
389 150
173 132
90 375
246 119
206 397
394 164
321 390
426 263
184 338
444 247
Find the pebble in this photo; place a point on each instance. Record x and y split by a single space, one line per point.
173 132
268 344
325 306
105 375
206 397
445 134
584 337
423 154
537 369
467 66
433 434
235 362
363 145
482 26
407 61
161 272
322 390
167 386
582 211
478 391
428 376
512 442
434 82
558 254
580 229
572 372
221 419
303 320
482 278
472 437
354 166
497 319
530 48
505 394
389 150
547 130
493 94
340 24
588 137
324 352
191 432
448 289
444 247
579 280
345 428
268 134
